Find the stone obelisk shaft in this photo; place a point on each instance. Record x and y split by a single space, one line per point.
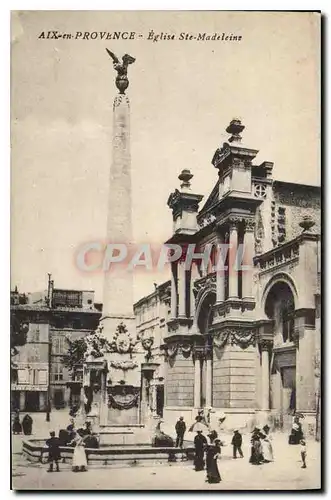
118 281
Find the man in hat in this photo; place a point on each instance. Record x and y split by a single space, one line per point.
236 443
180 428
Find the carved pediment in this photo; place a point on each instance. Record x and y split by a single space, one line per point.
211 201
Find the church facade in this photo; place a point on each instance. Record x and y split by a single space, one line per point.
243 338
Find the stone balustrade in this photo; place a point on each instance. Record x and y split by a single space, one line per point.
285 254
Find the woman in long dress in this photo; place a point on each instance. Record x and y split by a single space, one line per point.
27 425
79 462
200 443
256 457
17 426
267 451
213 453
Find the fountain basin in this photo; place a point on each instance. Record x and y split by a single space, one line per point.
35 450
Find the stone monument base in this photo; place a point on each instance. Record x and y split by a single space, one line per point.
134 435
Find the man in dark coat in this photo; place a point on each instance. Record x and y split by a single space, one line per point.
54 453
236 443
180 431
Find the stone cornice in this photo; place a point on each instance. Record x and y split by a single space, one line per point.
174 323
223 308
182 200
287 245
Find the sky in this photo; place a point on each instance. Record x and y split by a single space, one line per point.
183 95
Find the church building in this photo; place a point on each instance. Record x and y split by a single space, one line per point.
243 339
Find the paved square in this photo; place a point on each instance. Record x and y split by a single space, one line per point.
284 473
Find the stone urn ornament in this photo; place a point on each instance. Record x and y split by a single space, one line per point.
306 223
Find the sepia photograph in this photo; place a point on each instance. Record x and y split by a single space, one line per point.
165 302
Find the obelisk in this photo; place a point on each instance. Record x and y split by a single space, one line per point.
118 281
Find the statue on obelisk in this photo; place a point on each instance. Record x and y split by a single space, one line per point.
122 81
117 361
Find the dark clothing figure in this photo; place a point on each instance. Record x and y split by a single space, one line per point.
27 425
296 433
212 436
65 437
236 443
73 411
54 454
87 431
91 441
256 457
200 443
180 431
17 427
213 452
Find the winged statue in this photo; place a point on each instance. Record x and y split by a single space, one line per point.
122 81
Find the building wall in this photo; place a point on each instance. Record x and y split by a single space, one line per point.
33 358
234 377
180 382
30 390
298 202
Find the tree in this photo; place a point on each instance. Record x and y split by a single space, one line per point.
75 355
18 337
95 345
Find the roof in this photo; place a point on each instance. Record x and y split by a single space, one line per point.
295 185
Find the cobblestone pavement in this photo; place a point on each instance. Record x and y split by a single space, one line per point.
284 473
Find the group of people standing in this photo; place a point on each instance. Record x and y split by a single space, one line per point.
207 454
77 438
261 447
208 451
25 426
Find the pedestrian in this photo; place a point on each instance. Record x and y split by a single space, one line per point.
213 454
27 425
199 421
87 431
212 436
237 443
79 462
256 457
200 443
71 429
296 431
208 416
17 427
180 431
267 451
303 453
54 454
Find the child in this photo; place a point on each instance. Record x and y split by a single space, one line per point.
303 453
54 454
236 443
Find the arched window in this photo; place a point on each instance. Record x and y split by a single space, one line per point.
280 307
